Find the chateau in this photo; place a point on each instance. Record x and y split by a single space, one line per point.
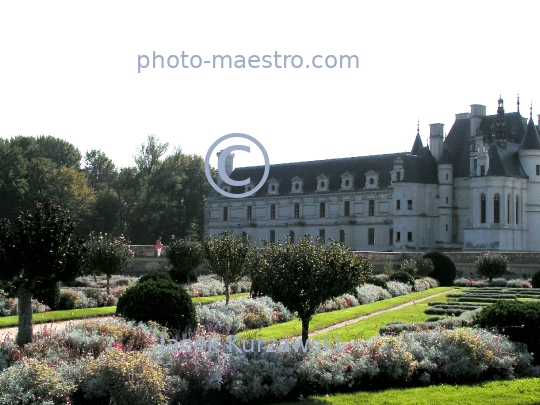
478 188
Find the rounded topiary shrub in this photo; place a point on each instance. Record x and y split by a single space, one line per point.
444 267
156 276
536 280
519 320
161 301
379 282
402 277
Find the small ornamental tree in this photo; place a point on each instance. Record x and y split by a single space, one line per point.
185 256
444 268
108 255
491 265
41 251
304 275
228 256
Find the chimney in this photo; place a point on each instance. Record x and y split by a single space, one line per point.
477 112
461 116
436 134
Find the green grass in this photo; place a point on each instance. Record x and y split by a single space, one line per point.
208 300
41 317
522 391
369 327
323 320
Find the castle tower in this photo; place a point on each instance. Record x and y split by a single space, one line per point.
529 156
446 188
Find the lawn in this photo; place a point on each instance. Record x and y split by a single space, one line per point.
523 391
323 320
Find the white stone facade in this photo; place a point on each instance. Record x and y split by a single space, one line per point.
476 189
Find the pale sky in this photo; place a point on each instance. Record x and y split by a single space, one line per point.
70 70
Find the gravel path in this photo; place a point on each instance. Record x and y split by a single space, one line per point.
351 321
58 326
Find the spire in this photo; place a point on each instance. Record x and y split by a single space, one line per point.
445 156
417 141
518 103
530 139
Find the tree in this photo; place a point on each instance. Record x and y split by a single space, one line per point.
418 267
185 256
491 265
304 275
228 256
41 251
108 255
444 268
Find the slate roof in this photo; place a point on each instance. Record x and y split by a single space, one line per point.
417 145
417 169
530 139
458 143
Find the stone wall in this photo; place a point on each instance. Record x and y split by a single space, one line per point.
522 264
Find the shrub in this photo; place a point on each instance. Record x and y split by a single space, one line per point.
444 268
50 296
161 301
128 378
491 265
519 320
408 266
395 288
70 299
8 306
185 256
379 282
498 282
536 280
156 276
369 293
402 277
518 283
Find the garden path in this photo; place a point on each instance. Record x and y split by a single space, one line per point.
351 321
58 326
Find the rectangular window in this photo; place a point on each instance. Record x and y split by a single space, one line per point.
371 208
409 236
482 170
446 227
249 212
409 204
322 234
272 236
342 236
322 210
398 176
398 236
297 210
272 211
538 170
371 236
398 204
225 213
346 208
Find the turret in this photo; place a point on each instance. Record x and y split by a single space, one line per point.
446 195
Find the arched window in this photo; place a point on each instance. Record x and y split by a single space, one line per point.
482 208
508 204
517 209
496 209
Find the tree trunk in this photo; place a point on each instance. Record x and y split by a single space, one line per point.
226 294
305 330
108 278
24 298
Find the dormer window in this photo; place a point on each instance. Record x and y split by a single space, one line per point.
297 185
249 187
347 181
372 179
227 188
322 183
273 186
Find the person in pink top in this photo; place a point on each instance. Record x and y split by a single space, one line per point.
159 245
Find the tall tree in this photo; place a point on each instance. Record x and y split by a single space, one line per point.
41 251
304 275
101 171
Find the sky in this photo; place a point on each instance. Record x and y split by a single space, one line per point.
72 70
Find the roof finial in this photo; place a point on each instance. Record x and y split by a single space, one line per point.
531 110
518 103
418 127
